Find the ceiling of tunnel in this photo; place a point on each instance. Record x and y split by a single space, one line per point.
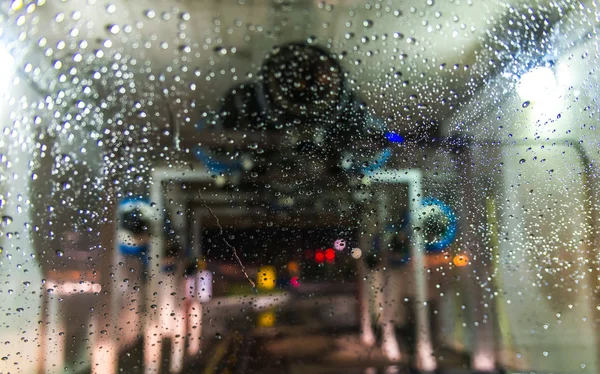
411 61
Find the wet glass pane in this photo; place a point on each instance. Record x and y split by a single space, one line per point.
297 186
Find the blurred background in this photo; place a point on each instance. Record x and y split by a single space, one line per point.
291 186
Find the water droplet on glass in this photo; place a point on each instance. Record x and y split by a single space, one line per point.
113 29
60 253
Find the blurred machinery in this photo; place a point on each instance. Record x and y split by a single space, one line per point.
297 129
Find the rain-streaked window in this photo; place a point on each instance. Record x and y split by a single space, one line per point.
299 186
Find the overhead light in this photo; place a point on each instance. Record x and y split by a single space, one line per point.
7 62
537 84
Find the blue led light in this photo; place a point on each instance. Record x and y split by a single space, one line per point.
394 137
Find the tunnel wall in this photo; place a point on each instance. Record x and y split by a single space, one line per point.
542 217
20 268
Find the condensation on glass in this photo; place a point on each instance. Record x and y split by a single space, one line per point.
299 186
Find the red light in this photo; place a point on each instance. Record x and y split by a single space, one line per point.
295 282
319 256
329 254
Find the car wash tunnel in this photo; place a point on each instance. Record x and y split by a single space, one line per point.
299 186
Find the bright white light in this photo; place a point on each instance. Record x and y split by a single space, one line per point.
537 84
72 288
6 67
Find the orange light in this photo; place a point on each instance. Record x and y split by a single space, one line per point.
293 267
460 260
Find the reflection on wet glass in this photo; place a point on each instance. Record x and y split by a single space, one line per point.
299 186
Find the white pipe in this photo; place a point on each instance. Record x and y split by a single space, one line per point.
389 344
178 339
152 349
55 349
367 335
413 177
194 328
105 355
154 329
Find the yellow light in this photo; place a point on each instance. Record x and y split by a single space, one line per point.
266 277
266 319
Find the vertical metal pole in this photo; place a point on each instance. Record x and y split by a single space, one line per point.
194 316
152 326
178 337
194 312
367 336
389 343
117 295
425 358
483 356
105 352
55 349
